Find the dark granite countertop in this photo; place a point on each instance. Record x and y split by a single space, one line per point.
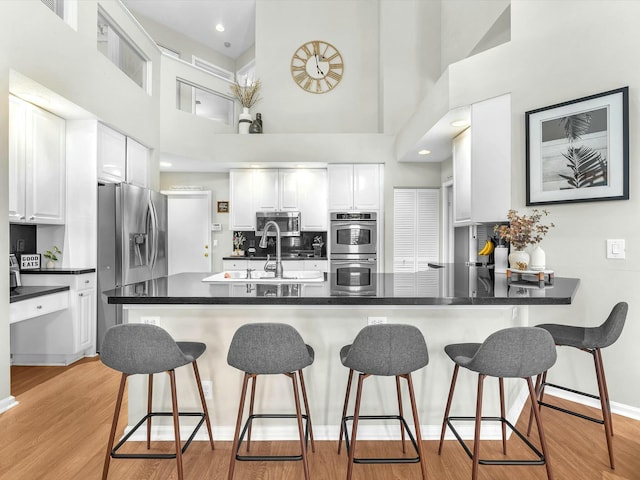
451 285
57 271
25 293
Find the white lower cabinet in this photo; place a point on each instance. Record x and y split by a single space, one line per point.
287 265
62 336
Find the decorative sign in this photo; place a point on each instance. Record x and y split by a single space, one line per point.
223 207
29 261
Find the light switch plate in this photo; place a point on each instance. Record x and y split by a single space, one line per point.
615 248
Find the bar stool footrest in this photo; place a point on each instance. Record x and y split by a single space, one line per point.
532 447
114 453
570 412
382 460
271 458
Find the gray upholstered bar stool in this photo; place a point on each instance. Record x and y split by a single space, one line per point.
517 352
392 350
591 340
270 349
147 349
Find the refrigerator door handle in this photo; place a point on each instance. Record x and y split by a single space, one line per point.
155 236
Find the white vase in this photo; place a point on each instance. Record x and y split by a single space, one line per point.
244 120
50 264
538 259
519 260
500 255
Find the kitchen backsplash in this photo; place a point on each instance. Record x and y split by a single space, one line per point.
23 238
290 245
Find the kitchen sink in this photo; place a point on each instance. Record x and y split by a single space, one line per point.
240 276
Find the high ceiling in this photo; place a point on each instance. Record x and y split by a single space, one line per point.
197 19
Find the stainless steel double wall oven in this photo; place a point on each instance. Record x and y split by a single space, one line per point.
354 246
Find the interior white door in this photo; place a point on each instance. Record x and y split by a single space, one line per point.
189 227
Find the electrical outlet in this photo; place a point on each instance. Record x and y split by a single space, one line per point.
207 389
151 320
376 320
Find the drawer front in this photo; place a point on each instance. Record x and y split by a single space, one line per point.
235 264
320 265
87 280
34 307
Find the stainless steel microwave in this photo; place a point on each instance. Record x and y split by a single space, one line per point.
289 223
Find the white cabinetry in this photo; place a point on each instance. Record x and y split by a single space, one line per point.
62 337
230 265
355 187
37 175
241 211
112 155
260 190
35 307
137 164
482 164
312 199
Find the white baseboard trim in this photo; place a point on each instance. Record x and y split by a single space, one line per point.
7 403
617 408
44 360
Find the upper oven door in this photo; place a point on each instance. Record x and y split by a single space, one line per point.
353 237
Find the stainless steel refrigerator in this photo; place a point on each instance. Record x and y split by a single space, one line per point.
132 243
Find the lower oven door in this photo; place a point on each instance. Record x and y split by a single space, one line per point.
358 276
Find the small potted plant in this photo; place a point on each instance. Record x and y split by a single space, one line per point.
238 241
52 256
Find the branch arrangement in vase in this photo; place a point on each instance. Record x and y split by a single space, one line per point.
248 94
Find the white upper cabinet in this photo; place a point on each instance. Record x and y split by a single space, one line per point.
112 155
241 211
265 190
137 163
37 174
312 197
354 187
285 189
482 164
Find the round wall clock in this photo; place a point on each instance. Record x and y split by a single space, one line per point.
317 66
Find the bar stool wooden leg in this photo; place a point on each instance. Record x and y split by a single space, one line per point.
307 412
537 390
543 442
204 402
354 428
236 436
114 425
448 407
604 395
416 422
149 405
303 446
176 423
400 411
503 416
344 409
251 403
476 435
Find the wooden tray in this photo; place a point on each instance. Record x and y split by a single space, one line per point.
542 277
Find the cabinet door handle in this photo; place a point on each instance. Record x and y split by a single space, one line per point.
86 281
39 307
22 217
206 254
32 217
81 294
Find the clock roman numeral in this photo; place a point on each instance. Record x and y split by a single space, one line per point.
307 84
336 76
298 68
316 47
300 77
335 55
306 50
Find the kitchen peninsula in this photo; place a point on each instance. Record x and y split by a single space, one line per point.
449 304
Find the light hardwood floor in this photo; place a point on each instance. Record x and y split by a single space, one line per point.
60 428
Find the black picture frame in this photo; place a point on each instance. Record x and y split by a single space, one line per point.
578 151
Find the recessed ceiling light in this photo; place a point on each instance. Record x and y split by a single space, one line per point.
220 27
424 152
460 123
255 166
165 164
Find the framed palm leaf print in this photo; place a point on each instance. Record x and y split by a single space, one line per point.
578 151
